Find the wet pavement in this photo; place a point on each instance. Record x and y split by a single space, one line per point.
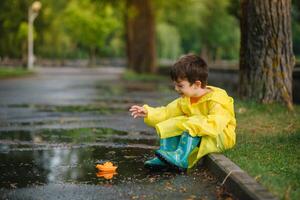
56 126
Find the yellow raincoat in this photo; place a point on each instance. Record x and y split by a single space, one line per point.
212 118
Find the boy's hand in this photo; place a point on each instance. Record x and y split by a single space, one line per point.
138 111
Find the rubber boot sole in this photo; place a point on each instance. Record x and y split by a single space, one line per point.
180 169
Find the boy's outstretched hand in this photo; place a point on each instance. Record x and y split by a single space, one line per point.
138 111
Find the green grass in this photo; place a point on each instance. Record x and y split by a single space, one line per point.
97 108
133 76
268 141
76 136
8 72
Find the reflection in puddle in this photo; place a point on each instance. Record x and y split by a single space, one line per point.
69 156
68 165
106 175
77 166
74 136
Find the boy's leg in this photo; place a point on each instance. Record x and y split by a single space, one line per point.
179 157
169 127
169 135
166 144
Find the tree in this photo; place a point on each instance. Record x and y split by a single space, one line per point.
219 30
204 25
168 41
13 15
89 27
140 33
178 20
266 54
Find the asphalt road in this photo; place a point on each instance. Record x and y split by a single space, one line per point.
57 125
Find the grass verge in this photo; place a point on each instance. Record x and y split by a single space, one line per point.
268 141
8 72
133 76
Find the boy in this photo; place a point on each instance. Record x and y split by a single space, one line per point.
201 121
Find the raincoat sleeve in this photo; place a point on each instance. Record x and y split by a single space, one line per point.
211 125
159 114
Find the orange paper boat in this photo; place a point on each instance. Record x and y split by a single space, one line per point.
106 167
106 175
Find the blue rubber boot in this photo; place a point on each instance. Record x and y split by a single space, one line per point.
167 144
179 158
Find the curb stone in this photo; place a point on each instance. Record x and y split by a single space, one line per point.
236 180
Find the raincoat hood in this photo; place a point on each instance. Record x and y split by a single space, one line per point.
220 96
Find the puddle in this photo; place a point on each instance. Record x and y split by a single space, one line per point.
29 168
74 136
149 141
97 108
68 165
44 159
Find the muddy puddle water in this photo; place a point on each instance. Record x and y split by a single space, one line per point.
30 165
76 165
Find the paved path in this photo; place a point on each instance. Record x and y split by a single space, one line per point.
56 126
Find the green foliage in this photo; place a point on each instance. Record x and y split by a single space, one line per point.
169 43
88 26
57 44
22 32
202 26
12 16
268 137
64 28
83 28
296 11
296 27
219 30
234 8
52 42
184 17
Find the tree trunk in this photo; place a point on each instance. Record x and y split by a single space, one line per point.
266 55
140 33
24 54
92 57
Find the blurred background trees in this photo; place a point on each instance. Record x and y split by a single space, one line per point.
93 29
90 29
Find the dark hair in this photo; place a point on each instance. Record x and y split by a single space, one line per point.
190 67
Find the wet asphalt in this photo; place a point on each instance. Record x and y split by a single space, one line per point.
57 125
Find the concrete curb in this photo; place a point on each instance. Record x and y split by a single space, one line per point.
235 180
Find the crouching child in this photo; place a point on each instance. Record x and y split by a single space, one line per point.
199 122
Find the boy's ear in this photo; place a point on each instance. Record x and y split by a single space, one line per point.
198 83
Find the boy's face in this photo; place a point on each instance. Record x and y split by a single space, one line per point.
184 88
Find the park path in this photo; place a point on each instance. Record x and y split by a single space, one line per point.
57 125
